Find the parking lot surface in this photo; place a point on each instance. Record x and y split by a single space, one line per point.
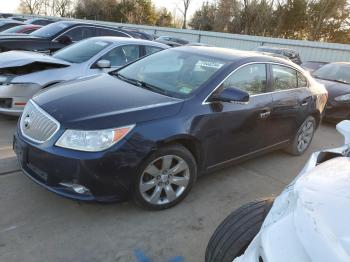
36 225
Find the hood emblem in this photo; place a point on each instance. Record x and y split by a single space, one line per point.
27 121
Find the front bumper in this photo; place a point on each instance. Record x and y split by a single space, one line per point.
106 176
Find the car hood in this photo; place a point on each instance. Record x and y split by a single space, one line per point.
309 221
103 101
334 88
13 59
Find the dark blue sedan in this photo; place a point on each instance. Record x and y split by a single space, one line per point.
147 130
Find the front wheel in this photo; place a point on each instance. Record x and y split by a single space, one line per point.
165 178
303 137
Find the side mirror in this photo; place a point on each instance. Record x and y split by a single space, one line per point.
103 64
231 95
64 39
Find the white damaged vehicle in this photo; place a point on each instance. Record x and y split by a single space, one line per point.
308 221
24 73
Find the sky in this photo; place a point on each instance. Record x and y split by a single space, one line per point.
11 5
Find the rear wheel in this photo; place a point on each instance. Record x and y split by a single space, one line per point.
236 232
303 138
165 178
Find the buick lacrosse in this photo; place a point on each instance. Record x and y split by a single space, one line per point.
147 130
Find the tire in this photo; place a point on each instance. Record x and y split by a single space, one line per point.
294 148
235 233
168 183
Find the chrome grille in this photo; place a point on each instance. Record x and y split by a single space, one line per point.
36 124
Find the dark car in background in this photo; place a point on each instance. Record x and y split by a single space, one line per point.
336 79
312 66
57 35
289 53
21 29
172 41
148 129
8 23
39 21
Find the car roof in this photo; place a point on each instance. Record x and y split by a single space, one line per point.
126 40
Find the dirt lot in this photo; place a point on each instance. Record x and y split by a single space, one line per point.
36 225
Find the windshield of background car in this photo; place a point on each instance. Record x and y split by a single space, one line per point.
50 30
175 72
334 72
13 29
269 50
81 51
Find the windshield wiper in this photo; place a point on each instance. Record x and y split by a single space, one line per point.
334 80
142 84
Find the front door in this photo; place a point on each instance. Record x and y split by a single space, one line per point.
235 130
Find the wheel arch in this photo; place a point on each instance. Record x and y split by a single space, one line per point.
189 142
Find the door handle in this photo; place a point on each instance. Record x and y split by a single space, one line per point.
265 113
305 102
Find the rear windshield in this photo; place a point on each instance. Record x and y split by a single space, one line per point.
50 30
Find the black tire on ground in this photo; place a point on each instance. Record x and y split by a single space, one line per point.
173 149
235 233
292 148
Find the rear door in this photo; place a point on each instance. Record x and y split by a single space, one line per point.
292 102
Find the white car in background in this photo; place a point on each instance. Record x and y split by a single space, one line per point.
24 73
307 222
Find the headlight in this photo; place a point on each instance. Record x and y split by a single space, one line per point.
92 141
342 98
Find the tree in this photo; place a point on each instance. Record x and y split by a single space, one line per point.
32 7
96 9
204 18
164 18
184 11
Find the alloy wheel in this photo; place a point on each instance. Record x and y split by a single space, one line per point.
164 180
305 136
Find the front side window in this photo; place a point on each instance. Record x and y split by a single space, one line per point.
250 78
82 51
172 72
122 55
284 78
79 33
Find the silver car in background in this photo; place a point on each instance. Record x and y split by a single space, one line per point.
23 73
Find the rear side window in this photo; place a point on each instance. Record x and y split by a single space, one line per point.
284 78
250 78
302 81
152 49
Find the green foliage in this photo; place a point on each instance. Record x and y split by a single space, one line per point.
317 20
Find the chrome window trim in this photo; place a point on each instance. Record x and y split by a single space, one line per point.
45 114
205 102
126 34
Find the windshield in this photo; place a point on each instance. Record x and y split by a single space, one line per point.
171 72
334 72
50 30
81 51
